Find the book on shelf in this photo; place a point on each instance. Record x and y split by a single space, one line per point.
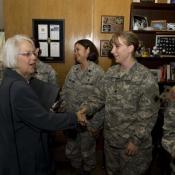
165 72
172 70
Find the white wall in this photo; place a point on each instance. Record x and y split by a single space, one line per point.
1 15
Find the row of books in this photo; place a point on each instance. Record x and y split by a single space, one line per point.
165 73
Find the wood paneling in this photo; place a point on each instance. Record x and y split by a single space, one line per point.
82 20
110 7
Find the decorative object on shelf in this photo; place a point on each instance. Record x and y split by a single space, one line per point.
139 22
111 24
145 52
159 24
166 44
105 48
155 51
171 26
50 34
140 49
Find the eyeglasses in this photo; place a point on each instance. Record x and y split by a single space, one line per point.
28 54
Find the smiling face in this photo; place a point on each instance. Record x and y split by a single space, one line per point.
26 59
121 51
81 53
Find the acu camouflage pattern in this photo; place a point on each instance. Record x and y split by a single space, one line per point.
118 163
131 109
77 88
46 73
168 140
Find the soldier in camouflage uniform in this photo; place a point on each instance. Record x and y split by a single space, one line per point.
79 84
128 91
168 140
44 71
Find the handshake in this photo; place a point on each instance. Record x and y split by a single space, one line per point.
81 117
58 106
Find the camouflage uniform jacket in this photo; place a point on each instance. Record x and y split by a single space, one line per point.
130 106
46 73
79 86
168 140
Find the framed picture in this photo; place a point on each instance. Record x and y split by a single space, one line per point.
156 74
139 22
171 26
105 48
159 24
111 24
50 34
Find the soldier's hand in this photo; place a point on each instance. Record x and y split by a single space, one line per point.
131 149
81 117
93 131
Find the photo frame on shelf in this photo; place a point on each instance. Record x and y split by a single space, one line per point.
171 26
105 48
159 24
165 44
156 74
139 22
171 1
111 24
152 1
50 34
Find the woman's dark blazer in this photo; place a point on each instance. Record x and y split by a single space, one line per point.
22 121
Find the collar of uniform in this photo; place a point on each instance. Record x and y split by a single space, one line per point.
89 69
125 75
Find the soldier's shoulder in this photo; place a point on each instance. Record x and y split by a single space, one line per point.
112 69
145 72
98 68
44 67
75 67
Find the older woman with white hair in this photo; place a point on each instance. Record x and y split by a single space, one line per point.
22 117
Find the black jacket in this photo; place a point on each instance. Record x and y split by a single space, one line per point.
22 122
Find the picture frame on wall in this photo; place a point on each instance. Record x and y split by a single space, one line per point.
105 48
50 34
111 24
